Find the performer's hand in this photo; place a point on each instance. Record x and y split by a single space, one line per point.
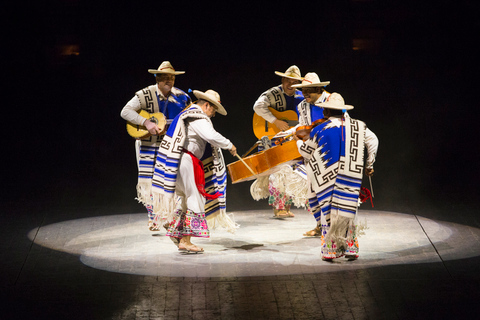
233 151
151 127
369 172
282 125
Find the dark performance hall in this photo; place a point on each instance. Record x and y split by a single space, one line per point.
77 244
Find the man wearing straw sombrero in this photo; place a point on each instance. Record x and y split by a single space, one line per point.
313 90
161 97
334 161
281 98
189 183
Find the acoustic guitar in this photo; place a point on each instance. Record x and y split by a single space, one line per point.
262 127
141 132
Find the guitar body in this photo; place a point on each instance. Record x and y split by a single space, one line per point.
261 127
141 132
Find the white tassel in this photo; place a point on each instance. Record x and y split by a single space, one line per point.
223 220
163 206
259 188
338 228
279 178
297 187
361 227
144 190
285 181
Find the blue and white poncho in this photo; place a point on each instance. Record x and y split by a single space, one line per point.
147 148
334 164
166 170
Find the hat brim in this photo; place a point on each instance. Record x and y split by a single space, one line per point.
312 85
203 96
335 107
155 71
281 74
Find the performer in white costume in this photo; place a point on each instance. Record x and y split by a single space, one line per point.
189 182
162 97
289 183
280 98
334 160
314 92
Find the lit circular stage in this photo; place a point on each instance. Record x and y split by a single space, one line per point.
262 246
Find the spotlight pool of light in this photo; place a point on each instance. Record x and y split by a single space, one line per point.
262 246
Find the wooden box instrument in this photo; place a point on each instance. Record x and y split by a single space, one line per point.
264 162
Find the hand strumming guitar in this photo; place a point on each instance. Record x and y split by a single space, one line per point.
152 127
282 125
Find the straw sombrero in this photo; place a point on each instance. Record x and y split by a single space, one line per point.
335 101
165 67
293 72
213 97
311 80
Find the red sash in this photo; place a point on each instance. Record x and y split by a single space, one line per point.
200 177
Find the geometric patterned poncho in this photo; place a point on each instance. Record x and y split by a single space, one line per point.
335 157
164 179
148 147
335 166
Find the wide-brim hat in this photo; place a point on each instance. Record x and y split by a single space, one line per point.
165 68
293 72
311 80
213 97
335 101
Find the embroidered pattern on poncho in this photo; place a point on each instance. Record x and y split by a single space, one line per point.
166 171
335 171
335 168
278 99
148 147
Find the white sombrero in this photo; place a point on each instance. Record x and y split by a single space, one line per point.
335 101
213 97
293 72
311 80
165 67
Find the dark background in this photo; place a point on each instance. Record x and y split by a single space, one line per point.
70 67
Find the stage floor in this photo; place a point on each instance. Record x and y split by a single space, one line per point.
261 246
103 265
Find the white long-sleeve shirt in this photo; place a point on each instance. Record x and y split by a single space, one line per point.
130 112
261 108
371 143
199 133
275 98
131 109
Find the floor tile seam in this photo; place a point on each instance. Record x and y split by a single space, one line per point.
30 248
433 245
